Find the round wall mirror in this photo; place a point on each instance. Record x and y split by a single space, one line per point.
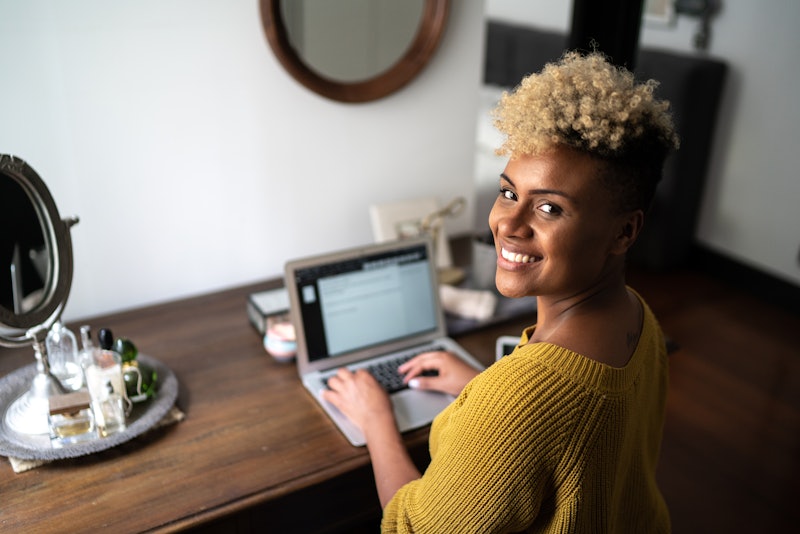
35 253
354 50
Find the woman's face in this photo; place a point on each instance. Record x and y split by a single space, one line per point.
554 227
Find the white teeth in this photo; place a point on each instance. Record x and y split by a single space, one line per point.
516 258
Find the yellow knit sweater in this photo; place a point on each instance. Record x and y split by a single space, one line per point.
546 440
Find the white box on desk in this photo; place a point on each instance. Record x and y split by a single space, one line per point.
265 304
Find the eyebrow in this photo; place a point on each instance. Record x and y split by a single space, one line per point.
558 192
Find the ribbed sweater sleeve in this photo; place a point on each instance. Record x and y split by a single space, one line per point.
545 440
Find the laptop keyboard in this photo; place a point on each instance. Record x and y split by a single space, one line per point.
385 372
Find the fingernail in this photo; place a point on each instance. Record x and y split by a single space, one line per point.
413 383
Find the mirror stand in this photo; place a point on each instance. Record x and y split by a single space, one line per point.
28 413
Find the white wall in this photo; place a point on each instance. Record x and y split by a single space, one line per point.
750 207
195 162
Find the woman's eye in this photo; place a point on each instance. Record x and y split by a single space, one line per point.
549 208
508 194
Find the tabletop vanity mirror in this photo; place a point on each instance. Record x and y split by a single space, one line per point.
35 279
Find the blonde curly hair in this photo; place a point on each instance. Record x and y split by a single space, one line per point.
586 103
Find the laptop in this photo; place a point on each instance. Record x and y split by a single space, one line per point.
370 307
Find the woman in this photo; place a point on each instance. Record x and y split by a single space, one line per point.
563 434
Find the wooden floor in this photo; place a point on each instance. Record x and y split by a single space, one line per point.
730 459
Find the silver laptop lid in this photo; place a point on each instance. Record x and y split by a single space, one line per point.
354 304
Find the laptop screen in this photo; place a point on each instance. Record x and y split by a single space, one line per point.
364 301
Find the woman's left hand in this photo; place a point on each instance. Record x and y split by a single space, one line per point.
359 396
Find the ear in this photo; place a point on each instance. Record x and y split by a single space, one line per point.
628 228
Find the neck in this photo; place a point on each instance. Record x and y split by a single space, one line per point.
604 292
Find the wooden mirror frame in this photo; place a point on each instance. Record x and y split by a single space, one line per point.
426 40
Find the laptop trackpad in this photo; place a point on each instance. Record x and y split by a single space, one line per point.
413 408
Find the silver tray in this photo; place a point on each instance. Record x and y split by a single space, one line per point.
144 416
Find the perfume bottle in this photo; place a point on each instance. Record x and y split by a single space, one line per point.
103 372
140 378
70 418
87 346
62 355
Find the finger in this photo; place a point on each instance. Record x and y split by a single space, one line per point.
430 369
362 374
343 373
406 367
419 359
328 395
423 362
422 383
342 377
409 372
336 381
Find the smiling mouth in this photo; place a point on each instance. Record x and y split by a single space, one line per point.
517 258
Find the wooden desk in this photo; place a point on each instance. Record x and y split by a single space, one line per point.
253 451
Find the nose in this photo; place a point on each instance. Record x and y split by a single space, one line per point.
510 222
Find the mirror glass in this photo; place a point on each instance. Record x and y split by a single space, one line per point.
354 50
24 253
351 40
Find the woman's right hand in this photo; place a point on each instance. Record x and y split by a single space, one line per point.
437 371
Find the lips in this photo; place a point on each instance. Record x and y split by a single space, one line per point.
516 257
